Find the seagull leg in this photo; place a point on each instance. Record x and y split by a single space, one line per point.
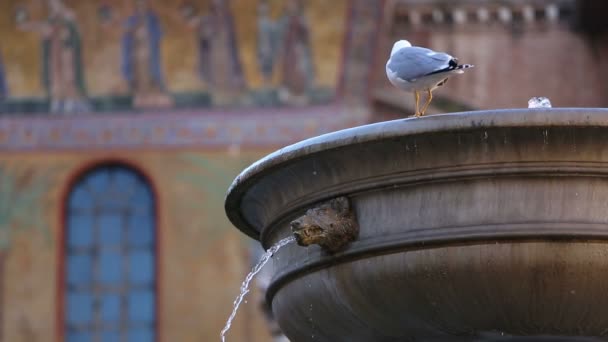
428 101
417 98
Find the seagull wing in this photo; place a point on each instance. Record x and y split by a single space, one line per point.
411 63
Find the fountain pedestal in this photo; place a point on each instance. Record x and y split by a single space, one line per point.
485 225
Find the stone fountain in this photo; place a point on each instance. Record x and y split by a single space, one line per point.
487 225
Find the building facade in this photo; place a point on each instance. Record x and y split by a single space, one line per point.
122 124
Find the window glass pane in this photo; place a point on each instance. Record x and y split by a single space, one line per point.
141 306
79 269
111 336
110 267
141 267
98 181
73 336
110 308
142 200
124 180
110 228
81 199
140 230
141 335
80 230
79 308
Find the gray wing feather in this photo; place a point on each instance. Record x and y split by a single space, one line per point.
413 62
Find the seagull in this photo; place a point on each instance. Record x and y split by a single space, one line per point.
415 69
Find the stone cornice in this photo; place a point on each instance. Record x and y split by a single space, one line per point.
415 14
259 127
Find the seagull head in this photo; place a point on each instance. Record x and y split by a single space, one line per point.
400 44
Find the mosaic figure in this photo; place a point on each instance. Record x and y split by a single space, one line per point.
141 58
228 71
62 71
202 26
298 70
3 85
219 64
268 37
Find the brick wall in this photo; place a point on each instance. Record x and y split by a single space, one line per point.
518 52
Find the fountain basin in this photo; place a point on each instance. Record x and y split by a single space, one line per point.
472 226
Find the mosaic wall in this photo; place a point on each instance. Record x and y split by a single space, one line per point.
192 66
71 56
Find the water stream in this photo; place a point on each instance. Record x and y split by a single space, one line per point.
245 286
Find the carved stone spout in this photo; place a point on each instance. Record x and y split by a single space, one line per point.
331 225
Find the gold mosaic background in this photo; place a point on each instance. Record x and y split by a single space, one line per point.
21 51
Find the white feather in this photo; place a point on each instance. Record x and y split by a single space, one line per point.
400 44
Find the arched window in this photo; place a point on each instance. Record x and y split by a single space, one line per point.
110 261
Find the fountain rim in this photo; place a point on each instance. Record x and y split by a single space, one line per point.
460 121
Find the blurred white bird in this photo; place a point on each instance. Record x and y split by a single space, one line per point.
415 69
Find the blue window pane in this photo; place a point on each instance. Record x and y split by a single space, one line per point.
111 336
110 228
141 306
110 308
140 230
80 230
141 267
73 336
79 308
79 269
110 267
98 181
142 199
124 180
81 199
141 335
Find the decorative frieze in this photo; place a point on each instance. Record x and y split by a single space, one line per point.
417 14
